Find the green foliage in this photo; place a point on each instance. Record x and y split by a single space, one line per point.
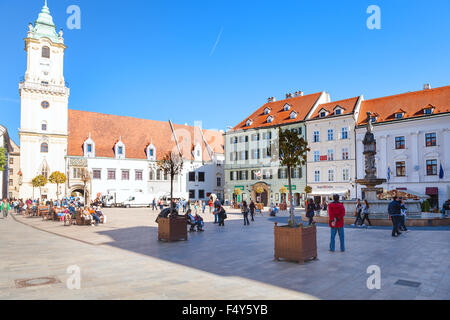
426 206
2 159
57 178
308 189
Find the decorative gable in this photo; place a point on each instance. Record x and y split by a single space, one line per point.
293 115
197 153
287 107
119 149
338 110
249 122
267 110
323 113
269 119
151 152
89 147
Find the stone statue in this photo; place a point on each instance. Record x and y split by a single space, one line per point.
370 149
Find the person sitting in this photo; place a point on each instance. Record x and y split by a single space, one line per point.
86 216
199 222
190 219
99 214
273 210
94 215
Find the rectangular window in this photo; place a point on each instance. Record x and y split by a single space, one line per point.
233 140
330 175
76 173
243 155
10 182
344 153
267 174
219 181
344 133
11 160
316 156
111 174
345 174
89 148
201 176
44 127
400 169
158 174
191 176
255 137
317 176
125 174
282 173
431 167
191 194
11 172
330 134
243 175
267 152
330 155
316 136
430 139
255 154
201 194
97 174
399 142
120 150
138 175
295 174
231 175
267 135
243 139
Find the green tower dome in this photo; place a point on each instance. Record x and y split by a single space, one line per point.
44 26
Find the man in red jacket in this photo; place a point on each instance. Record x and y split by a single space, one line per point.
336 213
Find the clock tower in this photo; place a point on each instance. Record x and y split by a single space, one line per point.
44 98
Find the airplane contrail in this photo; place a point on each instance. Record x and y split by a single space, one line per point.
217 41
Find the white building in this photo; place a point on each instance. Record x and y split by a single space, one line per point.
331 138
413 142
120 153
4 174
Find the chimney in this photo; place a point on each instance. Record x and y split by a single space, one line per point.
298 94
271 99
426 86
288 95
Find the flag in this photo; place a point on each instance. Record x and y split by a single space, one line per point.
441 172
258 174
389 174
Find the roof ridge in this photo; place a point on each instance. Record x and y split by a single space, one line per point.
408 93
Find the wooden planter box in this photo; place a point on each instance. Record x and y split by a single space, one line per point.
172 229
295 244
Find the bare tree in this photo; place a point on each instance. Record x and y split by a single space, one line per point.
171 164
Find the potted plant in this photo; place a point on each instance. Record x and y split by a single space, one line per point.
293 241
259 190
172 227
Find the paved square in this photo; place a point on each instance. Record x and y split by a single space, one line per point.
124 260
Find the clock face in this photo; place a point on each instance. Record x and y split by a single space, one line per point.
46 65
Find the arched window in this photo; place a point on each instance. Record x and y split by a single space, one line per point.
44 147
44 126
45 104
152 175
45 52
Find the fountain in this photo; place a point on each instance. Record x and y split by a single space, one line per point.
377 207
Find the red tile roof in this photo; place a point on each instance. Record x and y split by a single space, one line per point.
412 103
348 106
136 134
301 105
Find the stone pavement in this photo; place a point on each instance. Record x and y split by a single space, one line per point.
123 260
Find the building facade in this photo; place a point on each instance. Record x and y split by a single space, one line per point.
413 142
4 172
251 151
102 154
332 160
14 173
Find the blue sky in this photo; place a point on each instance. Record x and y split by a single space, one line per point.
217 61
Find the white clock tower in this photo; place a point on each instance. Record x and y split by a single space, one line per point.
44 107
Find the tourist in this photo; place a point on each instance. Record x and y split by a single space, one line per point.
445 208
402 217
394 210
357 213
252 208
199 222
210 203
161 205
154 204
222 215
5 207
365 214
245 210
310 208
336 212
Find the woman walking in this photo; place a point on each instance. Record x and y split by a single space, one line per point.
365 214
5 207
336 212
311 207
357 212
402 218
245 210
252 208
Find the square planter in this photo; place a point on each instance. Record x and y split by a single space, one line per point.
172 229
295 244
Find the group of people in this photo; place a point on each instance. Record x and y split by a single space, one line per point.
183 206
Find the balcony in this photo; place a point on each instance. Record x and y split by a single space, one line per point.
44 87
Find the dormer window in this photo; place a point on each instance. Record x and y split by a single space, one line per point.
428 109
151 152
120 149
287 107
323 113
266 111
89 147
399 115
249 123
269 119
338 110
373 119
293 115
198 152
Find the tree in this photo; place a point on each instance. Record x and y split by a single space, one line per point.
2 159
293 150
57 178
39 182
308 190
85 177
171 164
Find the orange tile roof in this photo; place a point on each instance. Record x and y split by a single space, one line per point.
412 103
348 106
136 134
301 105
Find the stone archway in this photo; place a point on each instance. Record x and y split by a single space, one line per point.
263 197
